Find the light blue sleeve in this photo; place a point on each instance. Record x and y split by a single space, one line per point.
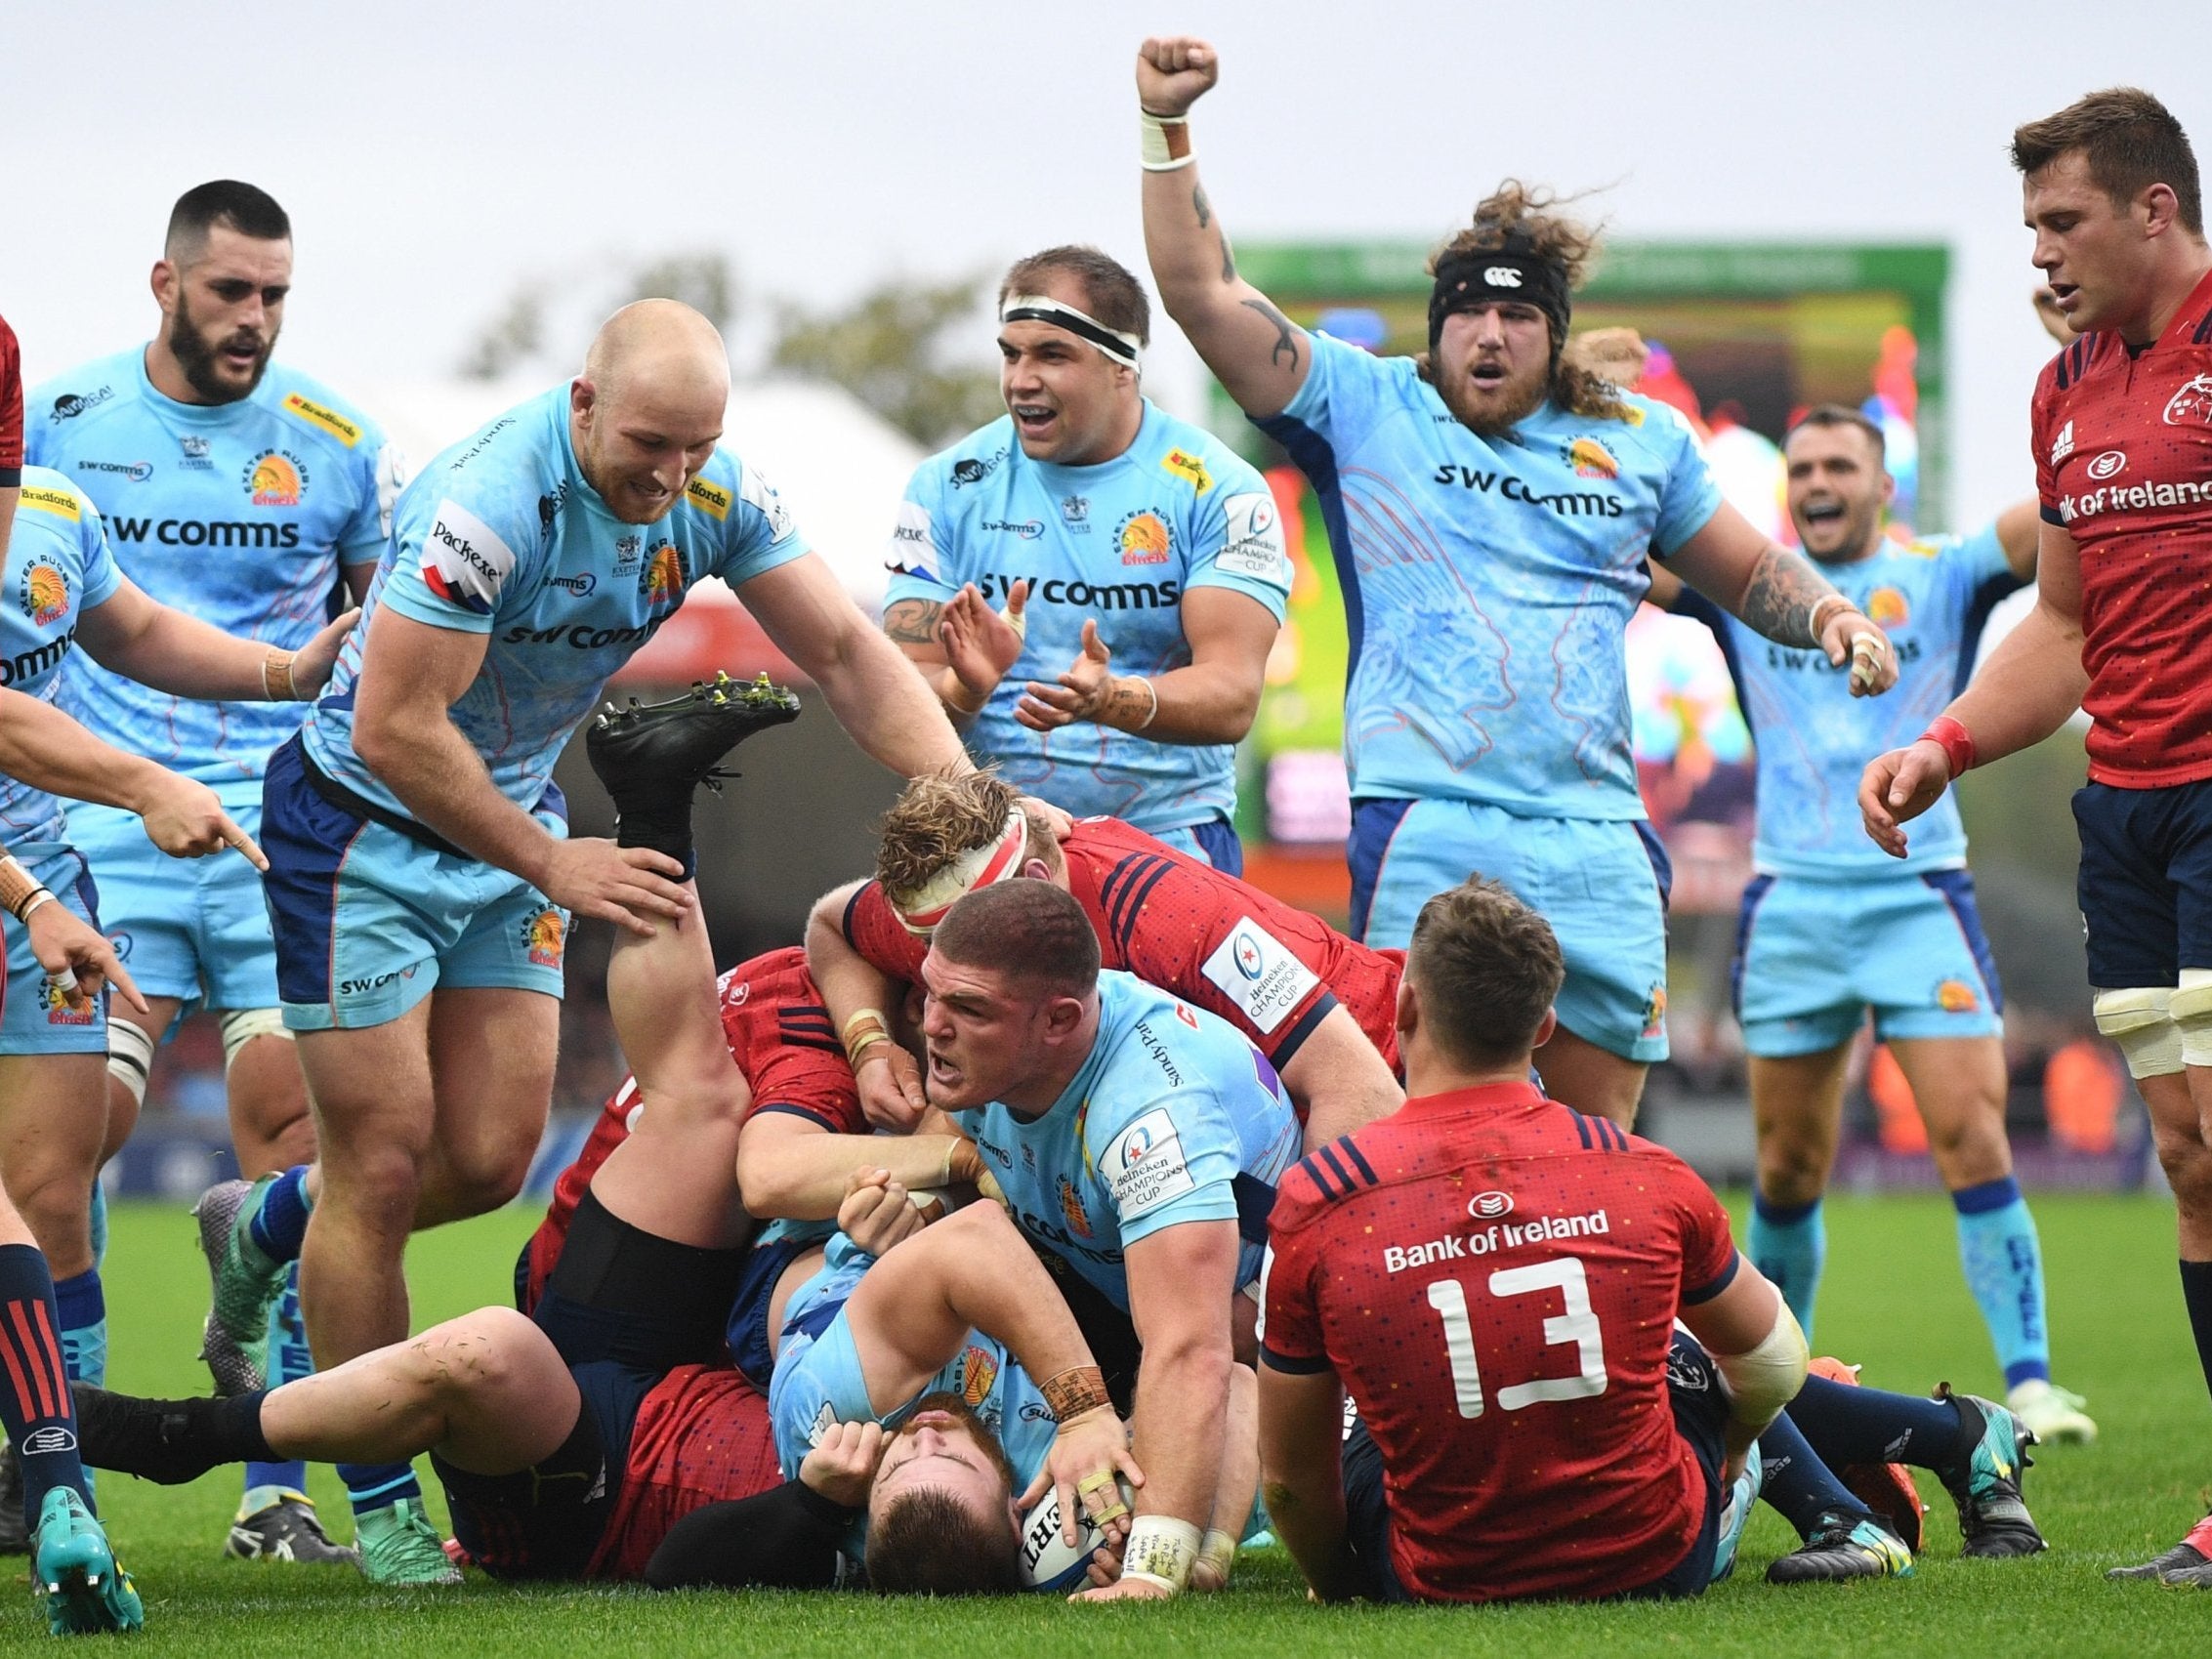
380 473
101 574
453 565
1977 558
758 532
916 556
1174 1159
1237 537
1689 494
1338 389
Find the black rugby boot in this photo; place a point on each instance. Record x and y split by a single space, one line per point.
652 756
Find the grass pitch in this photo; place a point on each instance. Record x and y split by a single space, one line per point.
1893 1301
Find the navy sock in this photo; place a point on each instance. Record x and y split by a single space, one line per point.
2196 1295
1847 1424
1798 1483
280 1221
35 1406
379 1485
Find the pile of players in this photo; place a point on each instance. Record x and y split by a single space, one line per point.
1016 1231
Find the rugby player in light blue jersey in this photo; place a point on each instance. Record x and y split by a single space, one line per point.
1137 1138
54 1106
1490 510
1832 925
245 493
1135 562
421 880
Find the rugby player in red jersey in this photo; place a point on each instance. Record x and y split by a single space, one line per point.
2122 431
1318 1005
1495 1279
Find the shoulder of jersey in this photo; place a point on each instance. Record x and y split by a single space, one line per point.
718 486
86 394
501 472
304 402
1327 1175
1193 457
975 457
52 495
2062 371
1931 546
1649 417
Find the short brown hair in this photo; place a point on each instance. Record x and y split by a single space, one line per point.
2129 141
1486 968
1112 293
1029 929
1528 216
939 816
928 1543
1840 415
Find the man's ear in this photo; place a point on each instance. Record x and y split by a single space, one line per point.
1408 1015
1064 1017
1545 1027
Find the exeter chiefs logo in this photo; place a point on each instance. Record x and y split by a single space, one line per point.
60 1013
1145 539
1956 996
1656 1012
1071 1208
45 594
977 1372
2191 406
1886 608
547 936
275 479
662 582
1590 459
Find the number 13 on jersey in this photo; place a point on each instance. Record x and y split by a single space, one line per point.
1578 1324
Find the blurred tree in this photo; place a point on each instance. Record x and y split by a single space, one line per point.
702 280
509 339
888 348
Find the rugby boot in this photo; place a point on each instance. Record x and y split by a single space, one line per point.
286 1530
165 1441
246 1283
2192 1556
652 756
14 1525
1886 1488
401 1546
1843 1546
87 1591
2054 1414
1984 1479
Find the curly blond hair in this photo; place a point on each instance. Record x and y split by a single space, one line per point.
942 816
1526 215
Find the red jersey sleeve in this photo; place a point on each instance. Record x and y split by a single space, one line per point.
2039 439
1708 1246
873 929
1290 1316
781 1037
10 409
811 1083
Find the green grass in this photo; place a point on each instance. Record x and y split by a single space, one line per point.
1893 1301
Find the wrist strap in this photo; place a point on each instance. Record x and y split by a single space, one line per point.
36 897
1160 1551
1815 620
277 678
1956 743
1154 713
862 1031
1154 153
1075 1390
16 884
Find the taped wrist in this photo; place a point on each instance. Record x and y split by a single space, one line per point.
1767 1379
1162 1550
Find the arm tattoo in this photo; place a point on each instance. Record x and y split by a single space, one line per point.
1198 201
1228 260
912 622
1288 341
1777 602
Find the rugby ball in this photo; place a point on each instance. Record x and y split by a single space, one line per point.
1047 1560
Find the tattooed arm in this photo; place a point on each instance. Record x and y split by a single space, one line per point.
1256 353
1779 594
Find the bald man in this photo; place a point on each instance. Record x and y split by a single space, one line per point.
422 880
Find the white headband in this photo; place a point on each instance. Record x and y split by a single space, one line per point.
980 867
1038 308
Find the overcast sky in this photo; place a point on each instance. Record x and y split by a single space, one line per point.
434 156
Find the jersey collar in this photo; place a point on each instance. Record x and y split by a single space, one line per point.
1488 1097
2191 320
167 408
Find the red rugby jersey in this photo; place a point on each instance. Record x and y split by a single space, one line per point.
703 1436
2124 461
1268 968
1495 1279
11 409
780 1037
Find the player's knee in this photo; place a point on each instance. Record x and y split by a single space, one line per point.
2140 1022
491 1175
55 1201
2187 1162
476 1354
380 1186
1792 1170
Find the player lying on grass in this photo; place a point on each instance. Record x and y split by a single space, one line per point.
1318 1005
1495 1279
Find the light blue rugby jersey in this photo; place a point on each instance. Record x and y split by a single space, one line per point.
1122 543
1488 582
1175 1117
501 535
238 513
818 1382
1814 739
58 569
